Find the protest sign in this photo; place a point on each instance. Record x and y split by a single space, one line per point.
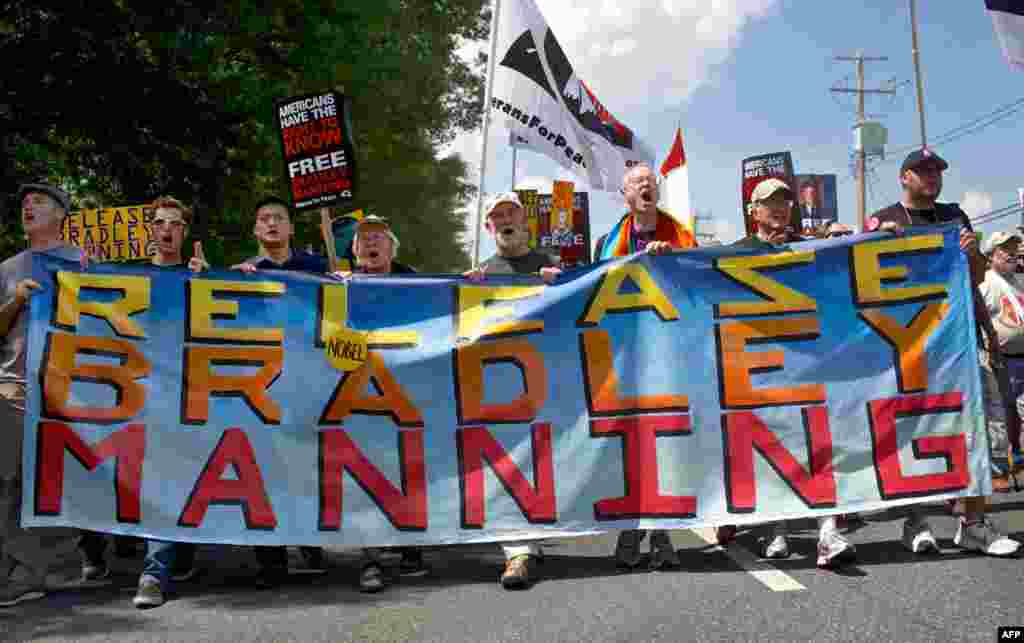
562 232
111 234
713 386
758 168
316 142
817 201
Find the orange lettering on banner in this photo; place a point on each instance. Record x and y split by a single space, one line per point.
908 342
537 502
127 446
736 364
350 396
405 509
601 383
470 362
60 368
246 489
201 383
744 432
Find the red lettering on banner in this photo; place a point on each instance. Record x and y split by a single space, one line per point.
406 509
246 490
127 446
892 484
537 502
743 432
640 464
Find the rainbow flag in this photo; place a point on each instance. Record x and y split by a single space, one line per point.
619 241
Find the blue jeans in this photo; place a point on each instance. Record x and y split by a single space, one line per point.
164 558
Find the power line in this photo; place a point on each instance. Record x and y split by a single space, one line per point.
995 215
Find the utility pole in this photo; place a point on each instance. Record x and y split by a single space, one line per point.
917 71
861 91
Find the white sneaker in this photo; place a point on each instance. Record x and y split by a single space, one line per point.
775 546
918 537
982 536
834 550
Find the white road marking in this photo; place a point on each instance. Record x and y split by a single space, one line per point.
772 578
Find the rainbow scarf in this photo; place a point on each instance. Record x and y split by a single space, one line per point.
619 242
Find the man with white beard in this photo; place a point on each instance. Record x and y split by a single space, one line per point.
506 222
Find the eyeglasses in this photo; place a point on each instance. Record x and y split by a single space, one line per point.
841 233
373 236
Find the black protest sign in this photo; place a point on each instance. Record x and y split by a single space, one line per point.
316 142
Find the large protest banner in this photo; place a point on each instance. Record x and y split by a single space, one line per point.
755 169
704 387
316 141
111 234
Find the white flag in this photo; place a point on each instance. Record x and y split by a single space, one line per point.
674 191
1008 18
537 95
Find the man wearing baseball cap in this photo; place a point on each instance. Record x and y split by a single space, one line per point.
1003 292
921 179
43 208
505 220
375 247
771 203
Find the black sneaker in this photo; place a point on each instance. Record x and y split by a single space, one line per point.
271 577
412 563
95 571
314 557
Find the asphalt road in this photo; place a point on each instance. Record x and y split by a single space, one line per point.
717 595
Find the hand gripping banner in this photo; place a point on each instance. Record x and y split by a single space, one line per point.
706 387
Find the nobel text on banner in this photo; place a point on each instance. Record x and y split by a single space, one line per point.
316 142
703 387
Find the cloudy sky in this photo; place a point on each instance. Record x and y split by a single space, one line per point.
746 77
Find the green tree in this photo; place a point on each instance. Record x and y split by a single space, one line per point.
130 99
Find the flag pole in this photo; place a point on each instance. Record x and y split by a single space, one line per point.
513 167
483 143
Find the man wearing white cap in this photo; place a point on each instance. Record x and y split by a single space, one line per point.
505 220
1003 292
771 204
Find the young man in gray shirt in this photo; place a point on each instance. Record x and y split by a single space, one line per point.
43 208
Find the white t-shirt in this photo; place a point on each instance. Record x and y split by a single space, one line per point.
1006 317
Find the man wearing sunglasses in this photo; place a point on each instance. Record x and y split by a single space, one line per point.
837 230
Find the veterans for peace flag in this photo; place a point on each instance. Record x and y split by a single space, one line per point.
707 387
1008 18
537 95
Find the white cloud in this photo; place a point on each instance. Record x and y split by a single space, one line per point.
634 55
975 203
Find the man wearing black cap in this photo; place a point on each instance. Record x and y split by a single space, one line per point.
921 178
43 208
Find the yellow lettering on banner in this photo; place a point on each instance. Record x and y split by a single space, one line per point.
134 299
909 342
204 308
608 297
333 315
474 311
781 299
870 276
